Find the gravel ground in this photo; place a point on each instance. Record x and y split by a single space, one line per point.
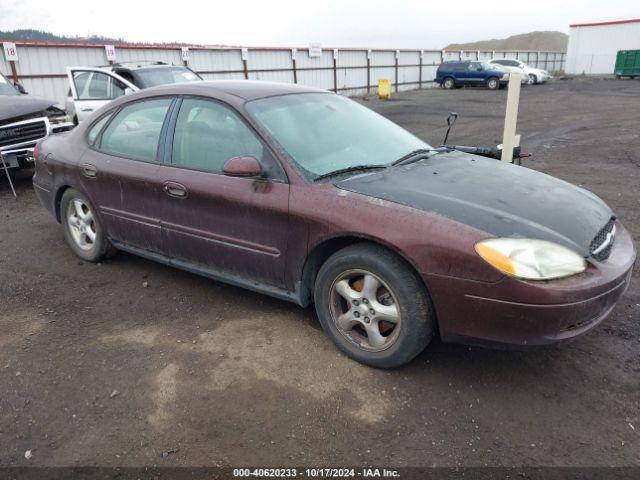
133 363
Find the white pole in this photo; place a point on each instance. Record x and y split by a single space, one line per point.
509 138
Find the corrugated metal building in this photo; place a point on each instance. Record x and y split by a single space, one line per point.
593 46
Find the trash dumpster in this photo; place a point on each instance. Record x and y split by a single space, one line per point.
627 63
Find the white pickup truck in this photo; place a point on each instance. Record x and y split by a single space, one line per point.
91 87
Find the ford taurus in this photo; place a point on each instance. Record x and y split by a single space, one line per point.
310 197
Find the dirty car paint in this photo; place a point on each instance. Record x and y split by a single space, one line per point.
501 199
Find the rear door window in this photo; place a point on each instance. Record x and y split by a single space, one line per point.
135 131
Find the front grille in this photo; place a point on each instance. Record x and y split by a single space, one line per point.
22 132
606 234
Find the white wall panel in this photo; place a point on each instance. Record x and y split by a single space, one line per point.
42 68
215 60
351 77
303 59
269 59
279 76
316 78
352 58
593 49
430 57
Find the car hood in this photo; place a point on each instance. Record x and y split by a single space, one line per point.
499 198
19 106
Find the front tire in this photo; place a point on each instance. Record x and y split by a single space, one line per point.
374 306
533 79
82 229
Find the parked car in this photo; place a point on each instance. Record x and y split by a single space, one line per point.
535 75
524 79
24 120
456 74
313 198
92 87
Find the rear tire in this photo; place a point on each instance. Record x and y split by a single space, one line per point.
493 83
374 306
82 229
448 83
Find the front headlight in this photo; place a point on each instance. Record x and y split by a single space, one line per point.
530 259
54 120
505 76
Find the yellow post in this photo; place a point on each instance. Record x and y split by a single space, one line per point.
384 89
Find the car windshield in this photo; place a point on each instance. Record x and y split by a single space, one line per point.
324 133
6 88
151 77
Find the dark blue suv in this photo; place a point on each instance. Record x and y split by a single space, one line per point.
455 74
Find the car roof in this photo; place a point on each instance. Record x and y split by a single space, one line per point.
245 89
138 64
453 62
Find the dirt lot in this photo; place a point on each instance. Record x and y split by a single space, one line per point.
97 369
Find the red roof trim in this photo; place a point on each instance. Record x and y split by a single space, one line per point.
598 24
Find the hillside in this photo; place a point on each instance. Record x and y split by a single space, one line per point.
30 35
542 41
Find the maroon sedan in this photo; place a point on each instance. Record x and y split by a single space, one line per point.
310 197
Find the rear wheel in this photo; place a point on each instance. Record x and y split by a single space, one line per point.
448 83
493 83
373 306
82 230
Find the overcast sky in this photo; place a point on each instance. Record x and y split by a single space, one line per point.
358 23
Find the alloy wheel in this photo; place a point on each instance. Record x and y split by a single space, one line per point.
82 225
365 310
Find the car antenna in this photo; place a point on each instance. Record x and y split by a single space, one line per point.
451 119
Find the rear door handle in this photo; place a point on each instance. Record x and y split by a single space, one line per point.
89 170
86 109
174 189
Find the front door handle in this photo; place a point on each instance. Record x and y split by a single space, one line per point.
174 189
86 109
89 170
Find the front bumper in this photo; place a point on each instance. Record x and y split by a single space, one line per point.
544 77
20 156
522 313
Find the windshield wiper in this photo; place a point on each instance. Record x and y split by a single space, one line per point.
413 156
355 168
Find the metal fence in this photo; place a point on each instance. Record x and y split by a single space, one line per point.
41 67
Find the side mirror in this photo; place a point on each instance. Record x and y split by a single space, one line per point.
242 167
20 88
128 90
